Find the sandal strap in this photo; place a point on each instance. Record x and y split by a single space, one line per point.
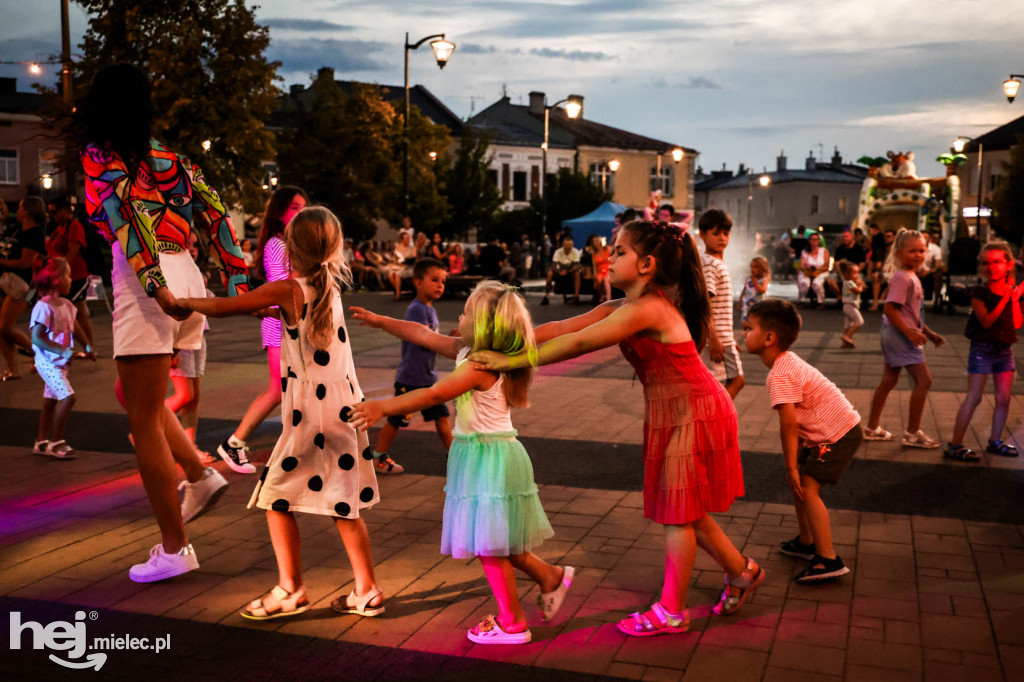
356 602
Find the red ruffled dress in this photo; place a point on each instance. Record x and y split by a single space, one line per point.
691 442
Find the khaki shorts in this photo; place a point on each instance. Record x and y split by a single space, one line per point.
729 368
141 327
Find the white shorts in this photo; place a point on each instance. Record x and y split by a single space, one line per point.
730 367
141 327
54 377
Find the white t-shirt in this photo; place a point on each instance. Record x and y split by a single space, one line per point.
562 258
932 259
823 413
719 284
58 316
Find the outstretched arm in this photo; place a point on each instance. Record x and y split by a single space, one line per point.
413 332
466 376
270 294
550 330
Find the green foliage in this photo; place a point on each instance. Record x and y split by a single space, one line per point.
570 195
1008 198
873 161
428 207
510 226
210 78
473 198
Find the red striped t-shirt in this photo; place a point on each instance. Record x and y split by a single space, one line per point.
823 414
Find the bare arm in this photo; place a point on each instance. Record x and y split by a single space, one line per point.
413 332
40 339
762 288
26 259
279 293
987 317
550 330
895 316
466 377
790 433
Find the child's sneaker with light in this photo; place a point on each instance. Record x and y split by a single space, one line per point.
162 565
918 439
822 569
202 494
236 458
387 466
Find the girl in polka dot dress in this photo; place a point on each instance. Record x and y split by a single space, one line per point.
321 464
491 507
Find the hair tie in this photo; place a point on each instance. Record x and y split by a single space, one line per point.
324 264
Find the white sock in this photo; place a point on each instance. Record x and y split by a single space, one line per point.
236 442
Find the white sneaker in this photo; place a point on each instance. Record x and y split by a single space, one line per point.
918 440
162 565
202 494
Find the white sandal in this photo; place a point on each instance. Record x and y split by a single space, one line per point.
488 631
40 447
551 602
60 449
360 606
288 604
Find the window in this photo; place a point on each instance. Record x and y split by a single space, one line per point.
662 180
814 204
843 204
603 177
8 166
519 186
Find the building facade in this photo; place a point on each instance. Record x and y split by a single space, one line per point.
977 182
29 150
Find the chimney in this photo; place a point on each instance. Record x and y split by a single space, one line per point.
296 89
837 159
780 160
742 170
811 163
325 72
537 102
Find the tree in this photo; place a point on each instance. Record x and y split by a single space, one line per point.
1008 197
210 78
473 198
570 195
428 208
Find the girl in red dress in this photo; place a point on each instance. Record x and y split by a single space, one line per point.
691 450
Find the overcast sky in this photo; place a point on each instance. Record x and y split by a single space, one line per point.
738 80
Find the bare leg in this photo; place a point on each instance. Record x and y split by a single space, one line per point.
357 545
85 320
541 572
714 540
975 389
890 375
816 516
388 432
60 416
806 534
188 414
1003 385
549 283
265 402
46 419
144 380
443 426
501 578
182 393
922 382
284 534
680 553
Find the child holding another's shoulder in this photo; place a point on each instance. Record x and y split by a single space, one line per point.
820 432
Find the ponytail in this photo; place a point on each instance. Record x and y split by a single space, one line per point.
501 322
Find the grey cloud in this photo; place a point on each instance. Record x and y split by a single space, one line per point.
22 49
310 54
691 83
310 25
473 48
575 55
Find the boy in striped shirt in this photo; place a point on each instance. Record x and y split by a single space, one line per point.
723 356
820 432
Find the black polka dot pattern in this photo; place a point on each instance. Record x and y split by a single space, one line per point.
280 505
293 334
291 374
296 417
345 414
342 336
289 463
342 509
319 440
321 357
305 309
346 462
316 484
321 391
366 494
284 384
368 453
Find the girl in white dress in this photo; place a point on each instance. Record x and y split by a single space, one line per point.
321 464
814 263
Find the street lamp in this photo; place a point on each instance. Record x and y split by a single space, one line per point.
677 154
47 181
1011 85
573 107
442 53
613 165
764 181
959 144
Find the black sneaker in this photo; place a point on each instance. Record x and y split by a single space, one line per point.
236 458
545 301
822 569
798 549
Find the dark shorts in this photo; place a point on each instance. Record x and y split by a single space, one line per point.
826 463
79 288
987 357
432 413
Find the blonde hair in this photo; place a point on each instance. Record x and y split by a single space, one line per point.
902 237
762 263
502 323
846 268
314 240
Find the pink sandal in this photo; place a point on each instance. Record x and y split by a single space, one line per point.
738 589
657 621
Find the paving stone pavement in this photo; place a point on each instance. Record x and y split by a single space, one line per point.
929 598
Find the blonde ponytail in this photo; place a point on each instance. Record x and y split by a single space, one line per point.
501 322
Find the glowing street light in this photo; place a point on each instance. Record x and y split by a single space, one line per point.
442 53
1011 85
207 145
573 108
613 165
677 154
764 180
47 181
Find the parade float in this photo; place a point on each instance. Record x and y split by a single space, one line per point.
892 195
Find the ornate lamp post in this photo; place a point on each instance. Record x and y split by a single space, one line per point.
1011 85
573 107
442 52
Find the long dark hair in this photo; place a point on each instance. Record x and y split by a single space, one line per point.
677 264
117 114
272 225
